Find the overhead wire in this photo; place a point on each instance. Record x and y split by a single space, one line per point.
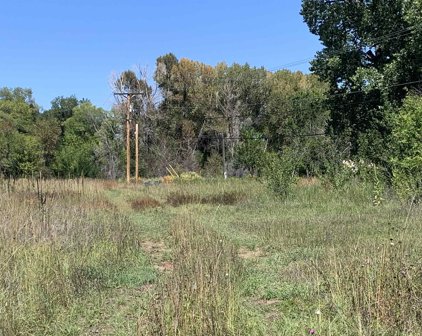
377 40
380 39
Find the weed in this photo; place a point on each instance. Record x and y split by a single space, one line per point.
57 244
321 261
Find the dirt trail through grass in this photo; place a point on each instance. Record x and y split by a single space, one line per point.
228 258
282 255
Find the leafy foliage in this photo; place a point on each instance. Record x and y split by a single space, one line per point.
76 156
251 151
370 49
407 148
279 172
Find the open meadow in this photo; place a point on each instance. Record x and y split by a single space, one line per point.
207 257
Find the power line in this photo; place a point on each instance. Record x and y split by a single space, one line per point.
386 87
381 39
291 64
216 137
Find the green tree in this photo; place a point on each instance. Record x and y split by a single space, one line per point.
48 131
187 90
18 106
370 49
250 153
62 108
294 108
296 118
20 150
76 156
163 73
241 96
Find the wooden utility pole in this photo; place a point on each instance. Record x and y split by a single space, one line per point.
224 159
128 110
136 153
128 96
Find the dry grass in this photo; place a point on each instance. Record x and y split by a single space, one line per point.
144 203
320 259
379 288
224 198
58 243
200 295
179 198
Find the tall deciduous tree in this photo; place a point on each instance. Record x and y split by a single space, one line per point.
109 149
76 156
20 150
62 108
370 49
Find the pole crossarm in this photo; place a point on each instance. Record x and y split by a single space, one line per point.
127 93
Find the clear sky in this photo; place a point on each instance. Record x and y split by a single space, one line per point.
60 48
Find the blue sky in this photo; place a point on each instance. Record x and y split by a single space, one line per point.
60 48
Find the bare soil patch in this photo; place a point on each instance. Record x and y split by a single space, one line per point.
245 253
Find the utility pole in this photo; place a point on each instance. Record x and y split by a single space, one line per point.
224 159
128 110
136 153
128 96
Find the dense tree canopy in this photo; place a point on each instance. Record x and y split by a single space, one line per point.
371 56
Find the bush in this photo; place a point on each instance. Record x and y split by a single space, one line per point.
407 149
250 153
279 172
224 198
213 166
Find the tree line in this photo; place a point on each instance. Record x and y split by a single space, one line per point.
361 101
183 121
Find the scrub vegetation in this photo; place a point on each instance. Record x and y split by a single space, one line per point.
79 259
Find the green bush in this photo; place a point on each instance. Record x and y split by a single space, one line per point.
279 172
407 149
250 153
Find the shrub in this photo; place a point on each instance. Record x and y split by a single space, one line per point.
407 149
250 153
279 172
224 198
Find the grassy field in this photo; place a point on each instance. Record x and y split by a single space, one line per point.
207 257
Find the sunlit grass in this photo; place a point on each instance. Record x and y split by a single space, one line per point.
60 241
231 260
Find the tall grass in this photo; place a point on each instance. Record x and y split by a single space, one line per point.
201 296
374 290
238 260
59 240
332 262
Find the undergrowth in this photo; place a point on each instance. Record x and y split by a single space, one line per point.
58 244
